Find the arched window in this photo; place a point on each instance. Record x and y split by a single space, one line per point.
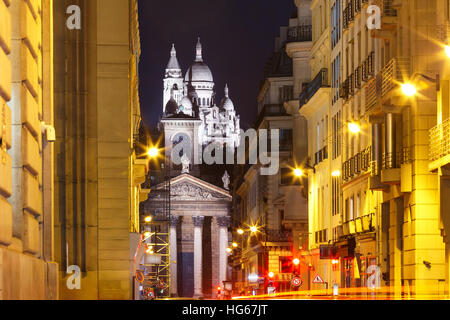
204 101
209 102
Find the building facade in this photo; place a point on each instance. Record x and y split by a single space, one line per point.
98 172
190 199
26 161
193 100
276 204
384 225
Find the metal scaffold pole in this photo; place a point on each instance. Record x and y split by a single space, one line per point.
157 260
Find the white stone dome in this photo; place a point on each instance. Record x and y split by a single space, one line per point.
199 72
226 102
171 106
186 103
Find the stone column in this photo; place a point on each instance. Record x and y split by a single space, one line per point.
173 257
224 224
198 248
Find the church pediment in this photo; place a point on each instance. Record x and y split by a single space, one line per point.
189 188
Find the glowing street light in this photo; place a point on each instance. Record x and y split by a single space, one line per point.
336 173
271 275
298 172
408 89
148 219
354 128
240 231
253 229
147 234
296 261
153 152
234 244
447 51
229 250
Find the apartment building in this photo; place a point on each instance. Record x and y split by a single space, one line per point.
98 171
371 156
274 204
26 155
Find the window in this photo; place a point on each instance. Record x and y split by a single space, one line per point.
351 207
447 10
318 137
281 218
252 195
286 264
336 135
358 206
286 137
336 195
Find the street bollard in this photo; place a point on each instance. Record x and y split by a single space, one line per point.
335 290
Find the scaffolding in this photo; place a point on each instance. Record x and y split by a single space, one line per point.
157 261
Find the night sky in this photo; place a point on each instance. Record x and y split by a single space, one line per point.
237 37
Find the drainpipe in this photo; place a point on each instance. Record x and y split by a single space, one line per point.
376 146
390 156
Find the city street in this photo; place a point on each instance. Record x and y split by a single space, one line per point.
233 150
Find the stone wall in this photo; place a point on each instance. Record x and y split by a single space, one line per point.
26 270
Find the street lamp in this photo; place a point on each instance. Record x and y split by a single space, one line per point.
234 244
240 232
409 89
148 219
298 172
296 261
354 128
253 229
229 250
336 173
447 51
153 152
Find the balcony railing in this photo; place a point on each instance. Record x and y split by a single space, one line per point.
386 80
357 5
278 235
351 84
356 165
391 160
358 77
386 7
299 34
344 92
321 155
320 81
368 67
362 224
440 140
270 110
349 14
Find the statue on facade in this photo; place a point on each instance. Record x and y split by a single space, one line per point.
226 181
185 162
